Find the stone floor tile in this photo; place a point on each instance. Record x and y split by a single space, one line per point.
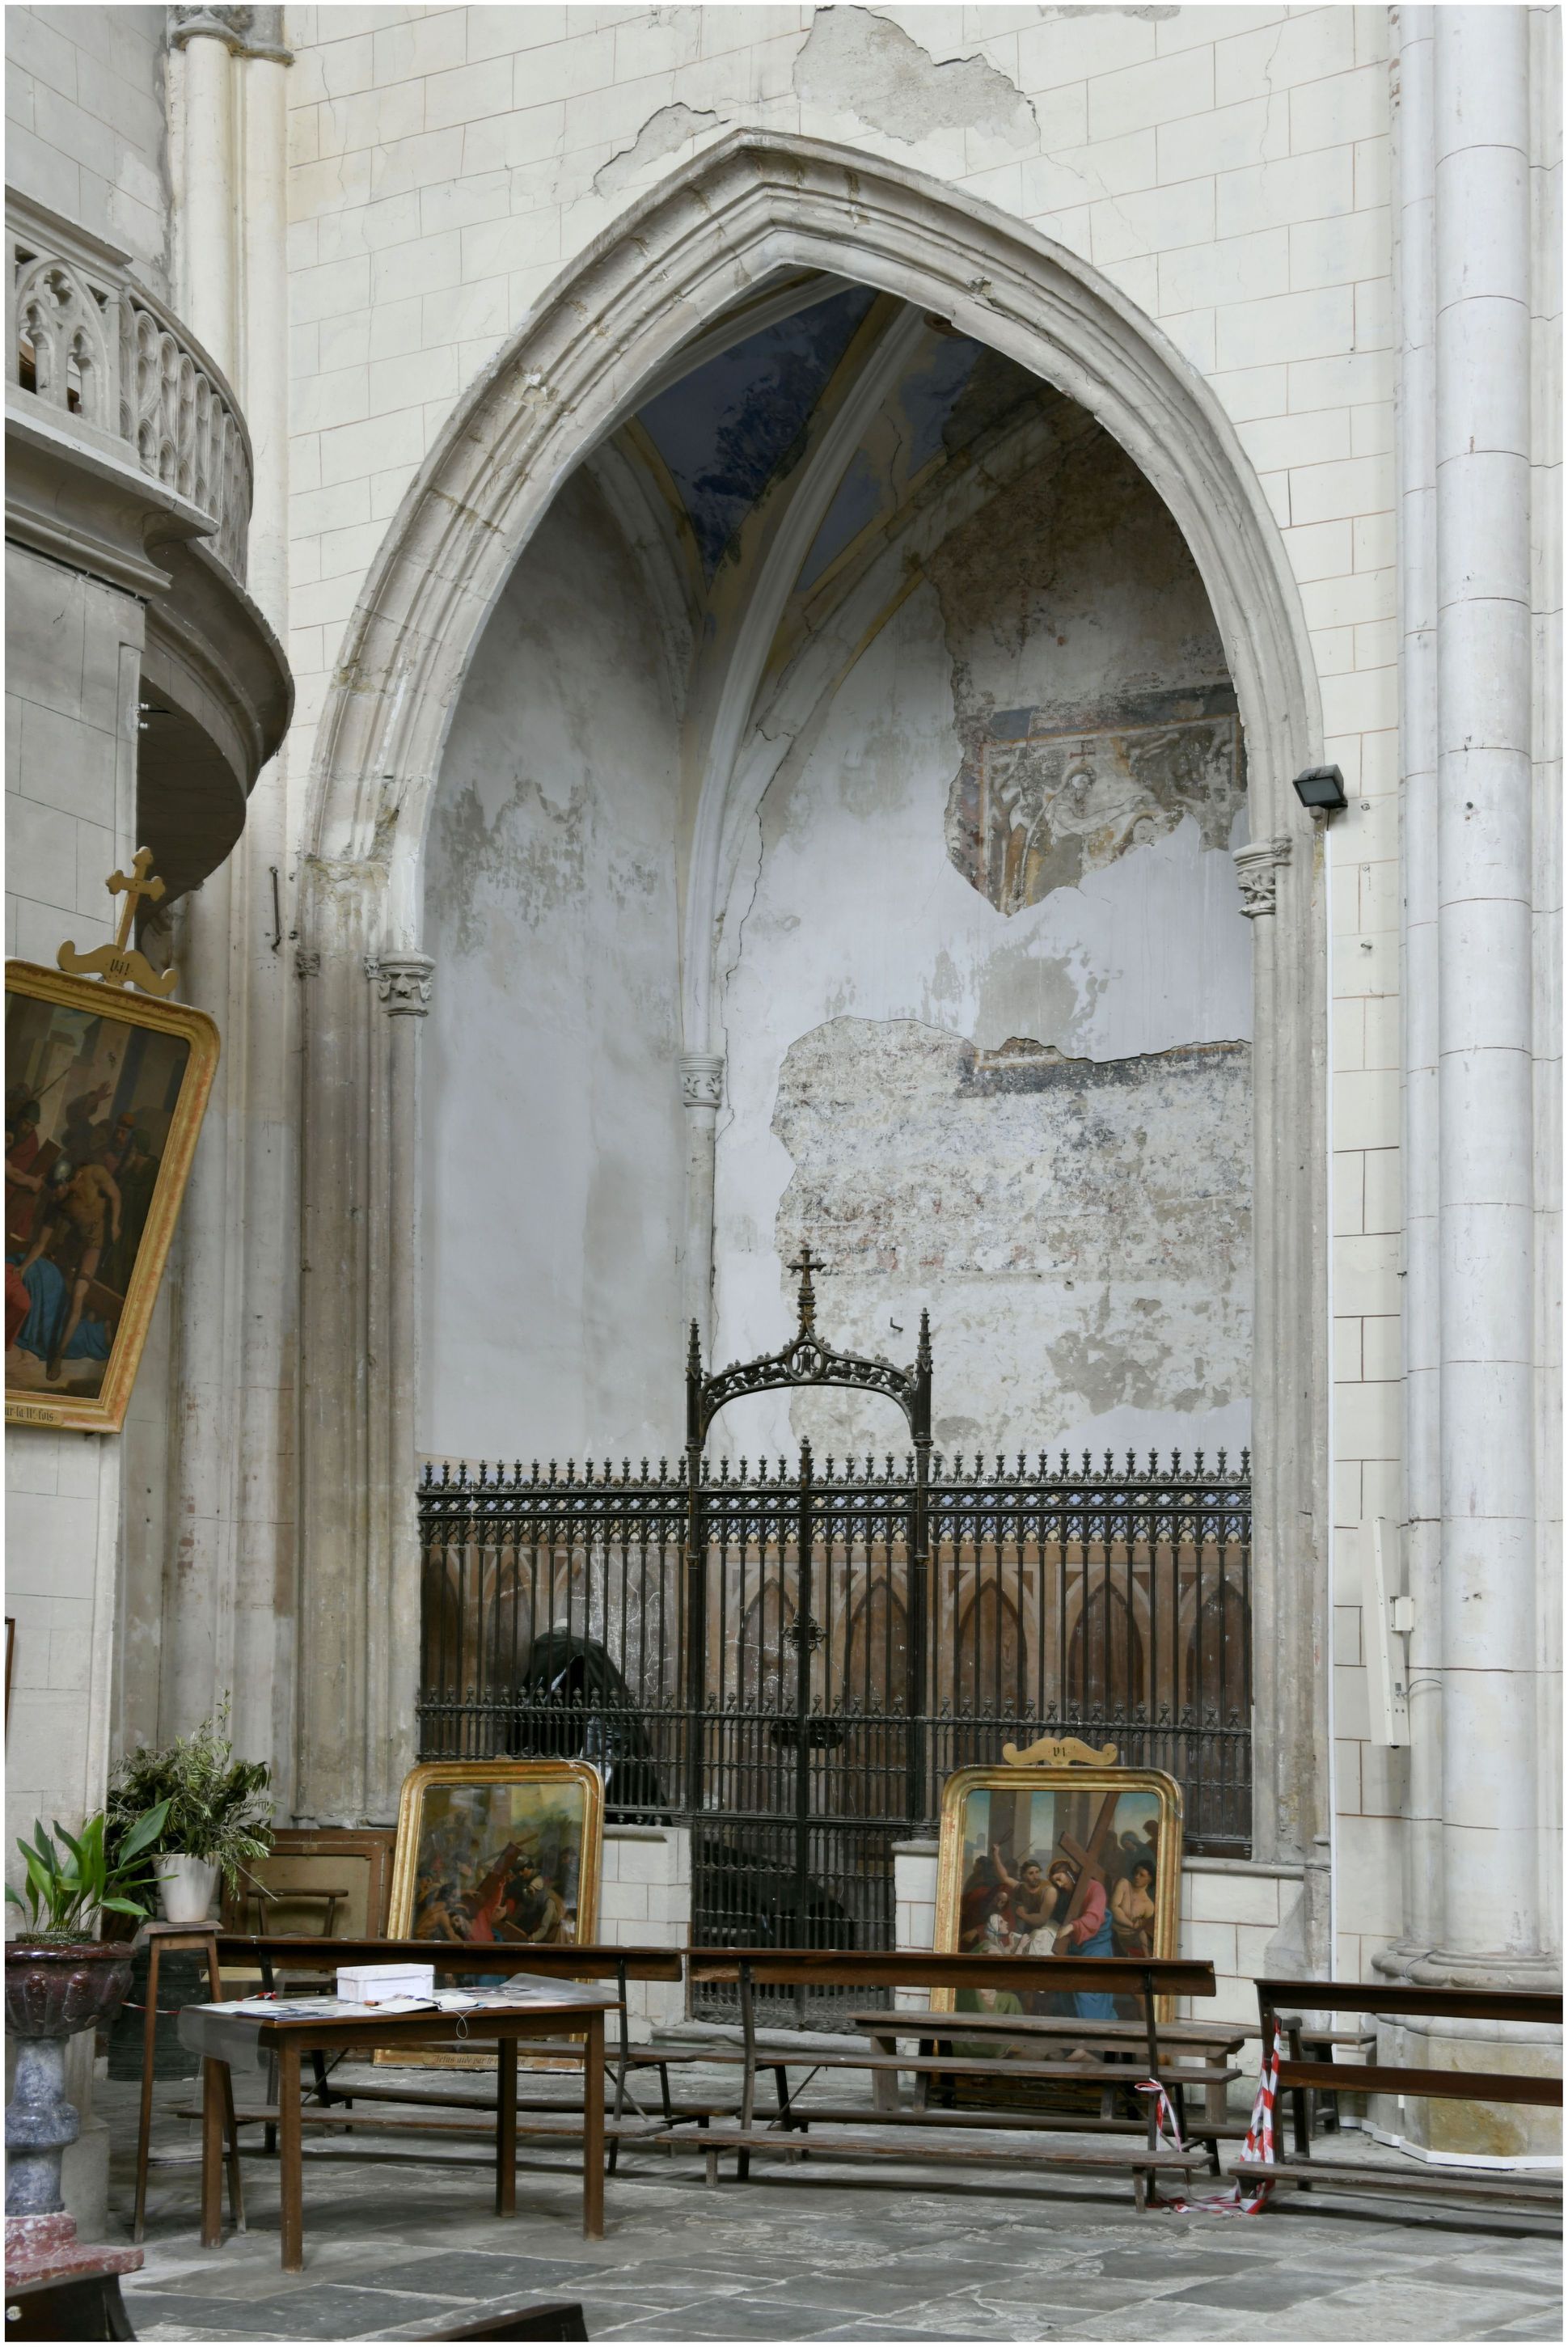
328 2312
456 2274
1172 2321
1264 2290
717 2318
825 2252
1462 2273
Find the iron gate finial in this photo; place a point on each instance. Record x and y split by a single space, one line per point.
806 1263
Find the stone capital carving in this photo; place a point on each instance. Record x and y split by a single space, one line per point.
244 32
404 982
702 1079
1257 870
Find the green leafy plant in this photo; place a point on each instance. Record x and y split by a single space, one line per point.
215 1808
69 1891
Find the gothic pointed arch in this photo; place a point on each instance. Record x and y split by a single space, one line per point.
752 206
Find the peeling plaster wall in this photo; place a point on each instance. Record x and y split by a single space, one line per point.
552 1146
1035 1120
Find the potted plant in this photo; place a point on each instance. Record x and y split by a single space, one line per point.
217 1813
59 1979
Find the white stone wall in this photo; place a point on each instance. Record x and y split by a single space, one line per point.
73 669
645 1902
1227 169
552 1143
85 126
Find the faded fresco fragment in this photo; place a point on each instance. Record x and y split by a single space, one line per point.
1035 809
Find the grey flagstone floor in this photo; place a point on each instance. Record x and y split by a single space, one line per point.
396 2247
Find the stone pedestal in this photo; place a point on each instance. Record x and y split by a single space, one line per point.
1512 2134
46 2248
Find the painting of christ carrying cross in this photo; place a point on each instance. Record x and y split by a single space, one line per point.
1066 1861
105 1095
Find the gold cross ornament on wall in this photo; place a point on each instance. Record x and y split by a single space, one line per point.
121 964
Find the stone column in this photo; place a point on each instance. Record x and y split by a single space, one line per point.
340 1029
1416 457
403 984
201 163
1491 1917
1288 1598
702 1094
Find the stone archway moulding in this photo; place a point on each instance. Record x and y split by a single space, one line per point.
752 204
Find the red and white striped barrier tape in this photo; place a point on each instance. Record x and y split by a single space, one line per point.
1239 2201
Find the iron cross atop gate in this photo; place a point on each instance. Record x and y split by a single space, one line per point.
806 1263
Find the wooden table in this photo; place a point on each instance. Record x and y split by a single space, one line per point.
155 1938
221 2038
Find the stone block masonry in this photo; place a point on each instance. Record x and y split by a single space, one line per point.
645 1902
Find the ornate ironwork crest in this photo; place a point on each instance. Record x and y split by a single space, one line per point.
808 1360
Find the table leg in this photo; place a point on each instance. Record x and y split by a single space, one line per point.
236 2188
884 2083
507 2125
290 2179
144 2128
593 2130
213 2075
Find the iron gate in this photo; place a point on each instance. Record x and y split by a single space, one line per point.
792 1661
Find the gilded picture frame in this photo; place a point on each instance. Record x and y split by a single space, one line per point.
104 1095
1014 1847
502 1851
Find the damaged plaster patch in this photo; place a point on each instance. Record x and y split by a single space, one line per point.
659 136
1080 1229
1091 696
530 858
853 62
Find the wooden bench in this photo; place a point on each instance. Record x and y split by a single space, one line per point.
1301 2079
293 1954
1149 1981
1205 2051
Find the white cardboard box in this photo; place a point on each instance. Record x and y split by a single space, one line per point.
374 1983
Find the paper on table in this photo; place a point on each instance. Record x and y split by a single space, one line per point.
323 2008
528 1988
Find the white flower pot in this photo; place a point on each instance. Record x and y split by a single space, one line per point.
185 1887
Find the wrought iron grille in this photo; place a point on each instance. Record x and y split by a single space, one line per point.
792 1658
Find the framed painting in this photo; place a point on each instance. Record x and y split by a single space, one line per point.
105 1093
332 1881
499 1852
1082 1861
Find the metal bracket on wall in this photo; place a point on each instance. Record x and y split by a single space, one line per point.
1386 1623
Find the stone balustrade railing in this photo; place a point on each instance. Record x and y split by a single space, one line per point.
89 343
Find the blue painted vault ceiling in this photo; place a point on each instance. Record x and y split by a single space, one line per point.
726 429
